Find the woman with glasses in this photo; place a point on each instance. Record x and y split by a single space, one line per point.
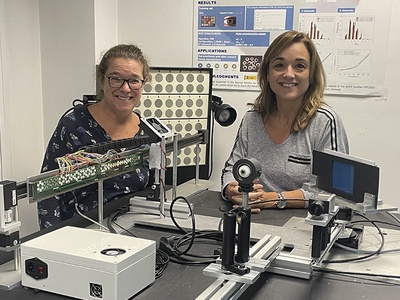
287 121
122 72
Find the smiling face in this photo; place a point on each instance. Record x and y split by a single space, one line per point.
122 99
288 73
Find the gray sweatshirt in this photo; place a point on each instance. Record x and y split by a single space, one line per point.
285 166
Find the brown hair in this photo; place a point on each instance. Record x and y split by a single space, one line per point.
265 103
120 51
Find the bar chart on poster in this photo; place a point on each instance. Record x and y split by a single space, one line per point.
357 28
231 37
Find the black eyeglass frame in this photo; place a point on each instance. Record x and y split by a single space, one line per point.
143 81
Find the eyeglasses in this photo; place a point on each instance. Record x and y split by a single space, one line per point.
116 82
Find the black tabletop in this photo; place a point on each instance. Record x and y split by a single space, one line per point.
187 281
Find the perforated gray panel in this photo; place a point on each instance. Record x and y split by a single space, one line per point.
180 99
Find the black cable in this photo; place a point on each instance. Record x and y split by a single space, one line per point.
74 103
376 221
113 217
393 216
171 212
170 248
172 245
77 102
124 229
194 259
377 252
162 258
206 236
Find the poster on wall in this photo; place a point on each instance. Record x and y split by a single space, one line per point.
351 36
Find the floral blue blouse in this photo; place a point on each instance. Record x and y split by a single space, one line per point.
75 130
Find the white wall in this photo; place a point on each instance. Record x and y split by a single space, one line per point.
22 87
163 29
49 49
106 26
67 41
22 91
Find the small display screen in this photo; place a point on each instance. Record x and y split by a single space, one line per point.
159 127
343 177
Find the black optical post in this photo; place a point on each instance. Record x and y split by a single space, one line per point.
245 172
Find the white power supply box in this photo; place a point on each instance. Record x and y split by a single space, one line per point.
88 264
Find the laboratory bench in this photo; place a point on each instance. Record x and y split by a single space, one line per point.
179 281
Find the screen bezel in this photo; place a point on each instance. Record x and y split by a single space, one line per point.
365 180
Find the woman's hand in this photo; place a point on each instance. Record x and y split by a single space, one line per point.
266 200
233 194
295 199
260 199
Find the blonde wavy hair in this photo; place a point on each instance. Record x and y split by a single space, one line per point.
265 103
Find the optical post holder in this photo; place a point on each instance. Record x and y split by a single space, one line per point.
245 172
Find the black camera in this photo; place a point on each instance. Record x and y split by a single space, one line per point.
246 170
321 204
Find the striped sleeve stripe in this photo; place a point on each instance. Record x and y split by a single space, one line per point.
333 133
299 160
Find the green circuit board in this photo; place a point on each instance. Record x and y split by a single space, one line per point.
59 183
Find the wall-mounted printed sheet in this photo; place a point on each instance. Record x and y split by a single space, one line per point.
351 36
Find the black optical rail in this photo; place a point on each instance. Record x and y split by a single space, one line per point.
118 145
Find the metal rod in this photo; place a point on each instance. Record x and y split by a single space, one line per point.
162 177
17 259
334 235
197 163
100 202
244 235
245 202
174 166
